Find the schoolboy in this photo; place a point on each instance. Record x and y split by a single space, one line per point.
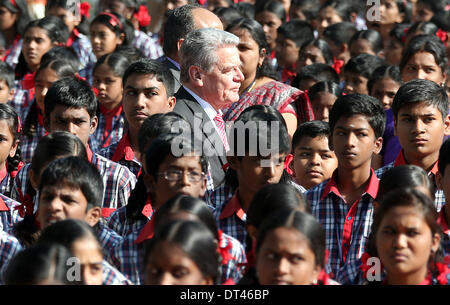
421 122
313 161
343 204
6 83
338 36
357 72
443 182
70 105
148 88
310 75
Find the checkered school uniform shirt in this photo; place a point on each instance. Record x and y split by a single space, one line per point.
112 276
149 46
14 52
28 144
6 184
230 217
107 237
233 269
9 247
445 241
21 101
347 229
19 189
439 197
9 214
122 153
105 135
82 46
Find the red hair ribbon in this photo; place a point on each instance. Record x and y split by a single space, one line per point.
84 9
114 21
18 124
442 35
14 3
337 66
142 16
405 30
79 77
201 2
287 162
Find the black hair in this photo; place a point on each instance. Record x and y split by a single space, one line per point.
405 8
359 104
298 31
257 33
404 176
9 114
427 28
83 26
382 72
72 93
442 20
77 173
246 9
328 87
67 54
323 46
21 7
62 68
373 37
56 31
311 129
117 63
318 72
154 126
66 232
425 43
418 91
117 24
343 8
444 156
398 32
228 15
340 33
179 23
2 41
435 6
364 64
195 239
44 263
310 8
7 75
272 6
304 223
129 52
151 67
191 205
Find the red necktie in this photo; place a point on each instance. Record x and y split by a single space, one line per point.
221 126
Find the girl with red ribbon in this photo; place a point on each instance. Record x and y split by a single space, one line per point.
107 74
76 20
13 20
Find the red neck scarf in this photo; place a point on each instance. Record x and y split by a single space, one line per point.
73 36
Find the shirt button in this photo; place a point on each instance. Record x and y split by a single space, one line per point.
349 218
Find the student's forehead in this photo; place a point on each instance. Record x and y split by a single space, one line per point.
308 140
138 79
63 187
419 108
62 110
187 160
356 121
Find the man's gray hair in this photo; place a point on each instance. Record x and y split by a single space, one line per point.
200 49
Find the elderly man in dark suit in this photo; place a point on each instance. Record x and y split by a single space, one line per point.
210 77
180 22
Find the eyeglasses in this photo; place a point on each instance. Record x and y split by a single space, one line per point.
176 175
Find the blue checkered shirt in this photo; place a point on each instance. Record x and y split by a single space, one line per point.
234 268
28 144
14 52
97 141
119 223
21 101
112 276
9 247
6 185
347 229
149 46
83 48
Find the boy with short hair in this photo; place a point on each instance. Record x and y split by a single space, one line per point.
290 38
338 36
421 121
6 83
313 161
343 204
308 76
357 72
443 182
148 88
70 105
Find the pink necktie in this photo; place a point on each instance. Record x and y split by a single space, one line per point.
221 126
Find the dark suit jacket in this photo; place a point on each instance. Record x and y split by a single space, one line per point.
175 72
205 133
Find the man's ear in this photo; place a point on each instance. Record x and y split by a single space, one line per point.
11 94
12 151
447 125
171 102
93 216
378 145
94 124
196 76
121 38
179 43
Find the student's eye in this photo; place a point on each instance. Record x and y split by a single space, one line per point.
96 269
271 256
411 69
130 93
428 120
153 271
429 70
362 134
388 232
304 154
296 259
326 156
340 133
151 94
412 233
181 272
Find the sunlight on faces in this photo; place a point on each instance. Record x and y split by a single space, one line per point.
404 242
420 130
206 19
355 83
35 44
285 258
168 264
44 79
322 104
88 251
384 90
422 65
327 17
6 93
393 52
8 146
286 51
103 40
65 15
361 46
389 12
354 141
314 162
310 55
7 18
109 86
270 23
423 13
144 96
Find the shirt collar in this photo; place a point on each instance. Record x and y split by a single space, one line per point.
174 62
3 206
442 221
3 172
147 231
111 112
233 207
89 153
210 111
371 188
400 160
123 149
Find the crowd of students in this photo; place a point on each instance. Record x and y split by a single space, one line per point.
353 190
